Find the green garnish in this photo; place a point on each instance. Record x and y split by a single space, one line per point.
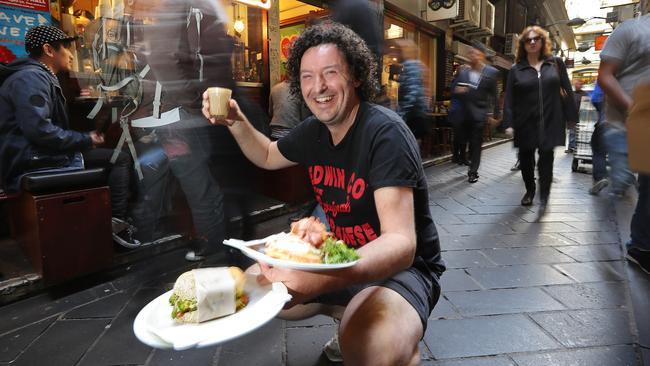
335 251
181 306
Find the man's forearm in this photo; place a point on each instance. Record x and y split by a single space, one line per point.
614 92
252 143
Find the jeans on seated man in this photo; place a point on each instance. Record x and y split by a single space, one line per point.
34 127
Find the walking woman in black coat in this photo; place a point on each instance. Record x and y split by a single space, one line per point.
534 109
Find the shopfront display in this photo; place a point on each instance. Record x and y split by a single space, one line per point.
16 17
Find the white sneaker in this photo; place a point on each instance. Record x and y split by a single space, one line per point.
332 350
191 256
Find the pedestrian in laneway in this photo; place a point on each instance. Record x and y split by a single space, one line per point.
476 88
455 118
624 64
412 102
624 61
599 152
536 111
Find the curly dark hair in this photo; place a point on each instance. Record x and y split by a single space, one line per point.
361 61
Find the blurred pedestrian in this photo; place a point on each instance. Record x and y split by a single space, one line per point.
598 150
624 64
476 89
411 99
188 50
624 61
455 118
536 110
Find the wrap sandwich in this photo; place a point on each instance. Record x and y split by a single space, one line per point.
208 293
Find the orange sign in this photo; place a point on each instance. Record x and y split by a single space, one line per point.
600 42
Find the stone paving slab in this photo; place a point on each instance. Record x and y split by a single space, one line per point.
483 336
601 356
591 253
536 255
73 337
507 301
484 361
585 328
599 295
518 276
14 343
120 336
590 271
457 280
467 259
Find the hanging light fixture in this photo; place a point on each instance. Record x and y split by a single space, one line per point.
239 25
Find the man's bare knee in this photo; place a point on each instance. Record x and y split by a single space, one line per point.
387 326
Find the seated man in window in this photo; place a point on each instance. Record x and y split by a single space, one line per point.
34 126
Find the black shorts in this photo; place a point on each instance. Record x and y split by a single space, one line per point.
418 285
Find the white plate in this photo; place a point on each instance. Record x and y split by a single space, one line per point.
155 327
254 249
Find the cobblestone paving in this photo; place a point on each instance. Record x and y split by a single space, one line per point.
518 291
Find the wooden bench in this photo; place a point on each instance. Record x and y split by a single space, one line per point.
63 223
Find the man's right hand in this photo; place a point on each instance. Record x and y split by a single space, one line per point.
234 112
97 138
510 131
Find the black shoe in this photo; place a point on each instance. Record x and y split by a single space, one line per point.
515 167
640 257
527 200
472 177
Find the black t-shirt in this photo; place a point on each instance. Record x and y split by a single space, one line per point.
378 151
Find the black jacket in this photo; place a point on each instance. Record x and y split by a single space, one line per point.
481 99
534 106
34 129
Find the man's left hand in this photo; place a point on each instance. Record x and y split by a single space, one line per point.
302 286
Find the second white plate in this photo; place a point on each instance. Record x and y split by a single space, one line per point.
254 249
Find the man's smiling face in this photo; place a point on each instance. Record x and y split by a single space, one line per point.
327 85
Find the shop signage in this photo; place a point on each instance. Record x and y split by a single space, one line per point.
600 42
613 3
441 9
265 4
15 19
39 5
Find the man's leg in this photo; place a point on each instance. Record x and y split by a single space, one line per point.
638 249
598 160
458 143
118 176
475 142
385 324
545 168
621 176
204 198
527 166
